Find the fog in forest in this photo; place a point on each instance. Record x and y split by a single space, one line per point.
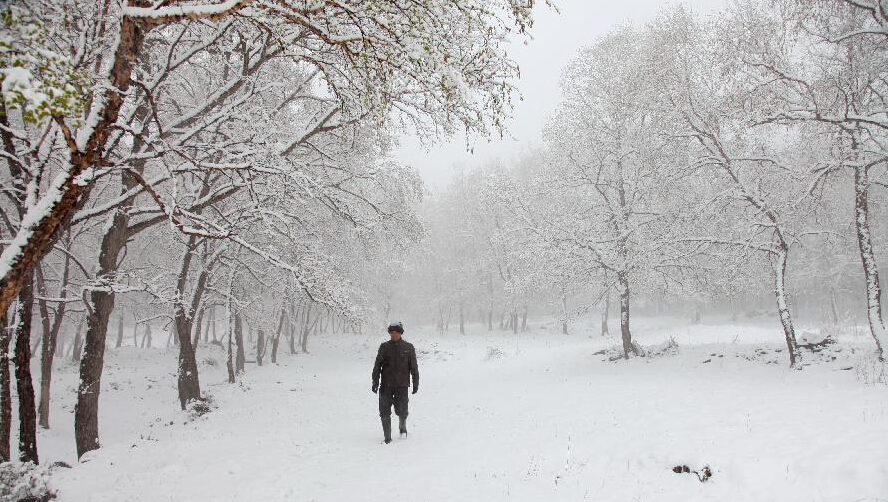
633 248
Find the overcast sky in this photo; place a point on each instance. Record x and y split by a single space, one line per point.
556 38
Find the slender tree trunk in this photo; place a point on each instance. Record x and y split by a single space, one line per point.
135 331
119 331
195 340
564 312
277 338
46 360
239 341
524 320
462 319
48 351
43 308
260 347
147 338
291 325
230 363
206 328
188 379
77 349
490 320
625 333
214 324
305 328
305 333
604 314
5 390
275 343
24 384
779 264
868 260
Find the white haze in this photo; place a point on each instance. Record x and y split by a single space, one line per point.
556 36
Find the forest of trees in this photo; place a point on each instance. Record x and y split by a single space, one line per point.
222 171
185 164
693 164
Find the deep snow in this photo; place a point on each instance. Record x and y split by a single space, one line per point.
531 417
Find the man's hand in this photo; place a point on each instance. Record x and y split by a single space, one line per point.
415 388
374 388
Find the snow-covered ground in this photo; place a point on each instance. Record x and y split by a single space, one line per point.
532 417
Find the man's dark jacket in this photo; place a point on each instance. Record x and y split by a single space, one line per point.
396 362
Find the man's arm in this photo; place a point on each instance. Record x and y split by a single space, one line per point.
414 369
377 369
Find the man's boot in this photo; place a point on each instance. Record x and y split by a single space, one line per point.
387 429
402 426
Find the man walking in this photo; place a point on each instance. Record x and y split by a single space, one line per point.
396 363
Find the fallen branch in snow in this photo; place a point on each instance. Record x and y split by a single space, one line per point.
817 346
703 474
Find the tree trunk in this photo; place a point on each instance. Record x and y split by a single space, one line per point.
291 329
490 320
306 328
135 331
195 340
48 351
230 362
239 341
5 391
868 260
214 324
462 320
188 380
77 349
43 308
260 347
779 264
524 320
119 332
564 312
24 384
86 414
625 333
277 338
147 338
60 344
604 314
305 333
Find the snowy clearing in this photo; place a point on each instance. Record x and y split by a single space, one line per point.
531 417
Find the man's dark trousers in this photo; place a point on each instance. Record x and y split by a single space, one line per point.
393 396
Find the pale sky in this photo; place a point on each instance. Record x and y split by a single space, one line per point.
556 38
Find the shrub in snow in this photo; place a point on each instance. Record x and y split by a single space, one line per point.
667 348
199 407
24 482
494 353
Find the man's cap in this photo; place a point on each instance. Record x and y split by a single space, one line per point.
396 326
